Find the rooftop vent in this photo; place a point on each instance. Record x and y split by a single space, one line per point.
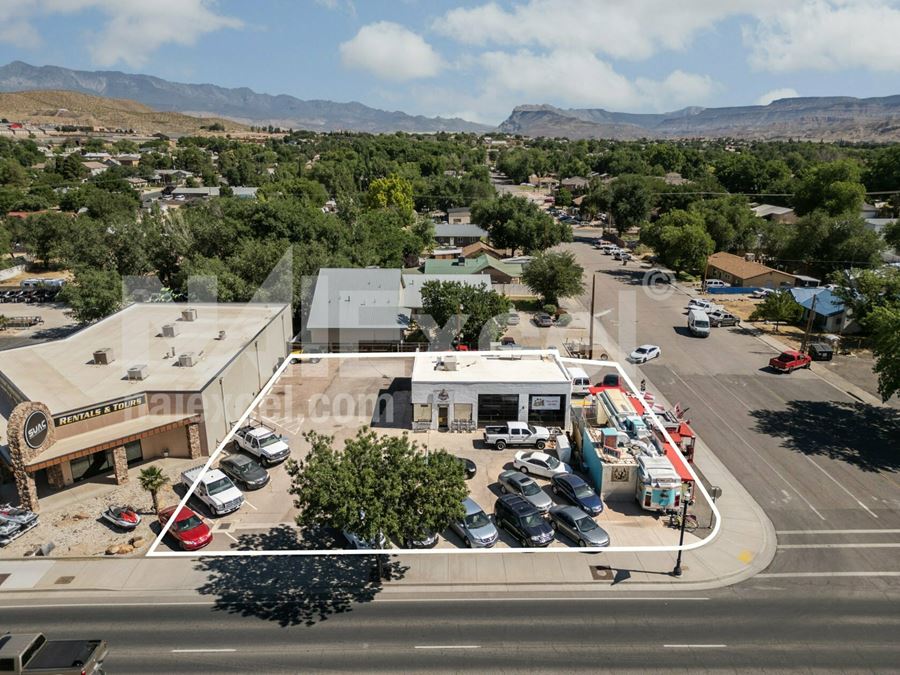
221 335
138 372
189 314
461 260
169 330
749 257
450 363
187 360
103 357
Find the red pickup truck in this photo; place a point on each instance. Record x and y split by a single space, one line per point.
789 361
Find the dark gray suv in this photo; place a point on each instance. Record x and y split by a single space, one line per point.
522 521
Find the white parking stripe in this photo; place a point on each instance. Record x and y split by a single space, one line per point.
227 534
841 485
250 505
740 437
201 651
788 575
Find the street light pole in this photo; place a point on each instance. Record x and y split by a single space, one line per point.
684 506
591 320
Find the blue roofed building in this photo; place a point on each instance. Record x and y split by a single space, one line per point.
830 313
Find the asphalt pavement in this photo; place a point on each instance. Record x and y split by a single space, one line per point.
521 633
822 463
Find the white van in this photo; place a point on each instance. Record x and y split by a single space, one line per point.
716 283
580 381
698 323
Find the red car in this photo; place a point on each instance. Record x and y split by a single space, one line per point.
789 361
189 529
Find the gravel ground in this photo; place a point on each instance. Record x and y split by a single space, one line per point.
78 530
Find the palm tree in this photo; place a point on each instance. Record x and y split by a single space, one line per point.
152 479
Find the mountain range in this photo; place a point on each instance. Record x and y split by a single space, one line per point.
827 118
812 118
241 105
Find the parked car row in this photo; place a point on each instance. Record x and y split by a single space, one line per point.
30 295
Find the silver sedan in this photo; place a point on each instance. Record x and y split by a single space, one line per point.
578 526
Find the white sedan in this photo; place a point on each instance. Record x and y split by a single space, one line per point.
539 464
644 353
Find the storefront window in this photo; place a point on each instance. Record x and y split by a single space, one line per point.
93 465
462 411
422 412
134 453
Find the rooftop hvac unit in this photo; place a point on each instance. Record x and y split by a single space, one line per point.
138 372
187 360
103 357
169 330
450 363
189 314
221 335
750 257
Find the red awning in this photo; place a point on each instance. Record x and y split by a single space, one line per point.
678 463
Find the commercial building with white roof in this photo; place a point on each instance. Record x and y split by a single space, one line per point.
154 379
490 389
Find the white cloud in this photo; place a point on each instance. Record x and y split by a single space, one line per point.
133 31
827 35
775 94
391 52
636 29
577 77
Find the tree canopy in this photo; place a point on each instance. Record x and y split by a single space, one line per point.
484 308
518 224
554 275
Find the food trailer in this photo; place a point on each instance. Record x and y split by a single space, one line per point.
658 485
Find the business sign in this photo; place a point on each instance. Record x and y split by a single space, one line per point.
36 427
99 410
546 402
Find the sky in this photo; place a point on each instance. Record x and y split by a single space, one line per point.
477 60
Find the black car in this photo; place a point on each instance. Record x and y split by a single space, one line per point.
610 380
523 521
244 471
575 491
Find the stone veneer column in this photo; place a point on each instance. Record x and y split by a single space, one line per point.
55 476
193 439
25 486
120 465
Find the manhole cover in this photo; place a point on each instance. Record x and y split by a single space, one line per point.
3 577
62 581
601 573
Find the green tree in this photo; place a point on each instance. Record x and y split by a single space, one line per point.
153 479
778 307
892 235
884 324
630 202
833 187
445 300
563 197
391 191
46 234
377 486
518 224
730 222
93 294
554 275
864 290
824 243
12 173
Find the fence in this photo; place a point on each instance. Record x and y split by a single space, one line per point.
732 290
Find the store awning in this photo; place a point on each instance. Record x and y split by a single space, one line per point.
107 437
678 463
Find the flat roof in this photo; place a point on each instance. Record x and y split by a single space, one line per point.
471 369
62 374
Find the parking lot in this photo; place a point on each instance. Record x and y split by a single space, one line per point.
339 396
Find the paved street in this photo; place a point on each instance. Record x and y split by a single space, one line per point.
515 633
822 464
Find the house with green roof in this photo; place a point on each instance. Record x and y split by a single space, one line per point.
501 272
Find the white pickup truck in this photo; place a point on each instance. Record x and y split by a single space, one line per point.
262 442
215 490
518 434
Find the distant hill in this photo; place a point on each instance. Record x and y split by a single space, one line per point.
242 104
71 108
812 118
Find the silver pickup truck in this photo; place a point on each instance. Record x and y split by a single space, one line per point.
519 434
34 654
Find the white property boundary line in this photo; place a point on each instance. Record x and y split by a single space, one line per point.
297 357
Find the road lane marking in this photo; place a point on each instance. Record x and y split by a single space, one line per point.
842 545
744 441
201 651
840 485
269 601
695 646
447 647
789 575
814 532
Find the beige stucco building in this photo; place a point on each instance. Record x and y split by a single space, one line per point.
153 380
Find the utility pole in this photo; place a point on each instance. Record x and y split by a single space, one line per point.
809 323
591 329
